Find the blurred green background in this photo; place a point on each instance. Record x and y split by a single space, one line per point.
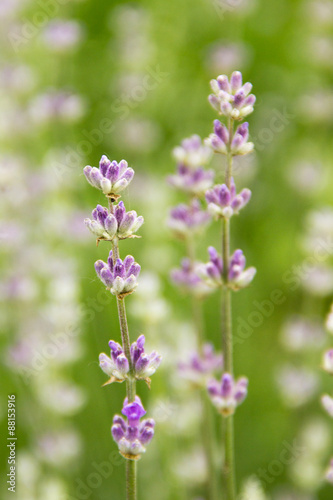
48 280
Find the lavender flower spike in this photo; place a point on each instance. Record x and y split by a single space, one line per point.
224 202
110 177
201 365
227 394
120 224
219 140
119 277
192 153
328 361
132 436
144 365
187 220
232 99
238 276
116 366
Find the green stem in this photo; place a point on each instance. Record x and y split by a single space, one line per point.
229 462
130 382
131 480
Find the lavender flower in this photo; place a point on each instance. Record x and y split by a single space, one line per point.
111 177
186 220
120 224
132 436
120 277
117 367
144 365
329 472
219 140
195 182
238 276
232 99
327 402
227 394
224 202
192 152
328 361
187 278
201 365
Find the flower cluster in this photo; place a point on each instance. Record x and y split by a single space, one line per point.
132 436
186 220
220 141
192 152
117 366
232 99
187 278
193 181
224 202
191 157
238 276
201 365
111 177
119 224
119 277
227 394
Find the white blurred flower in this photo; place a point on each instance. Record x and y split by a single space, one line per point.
59 448
301 334
297 385
319 280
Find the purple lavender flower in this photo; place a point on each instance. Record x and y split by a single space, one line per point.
195 182
120 277
132 436
192 152
328 361
186 220
238 276
144 365
187 278
219 140
120 224
224 202
327 402
111 177
232 98
329 472
201 365
227 394
117 367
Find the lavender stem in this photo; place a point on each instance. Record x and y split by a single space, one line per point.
229 463
130 382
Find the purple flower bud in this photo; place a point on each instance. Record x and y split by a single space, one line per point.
236 81
146 435
117 432
187 220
